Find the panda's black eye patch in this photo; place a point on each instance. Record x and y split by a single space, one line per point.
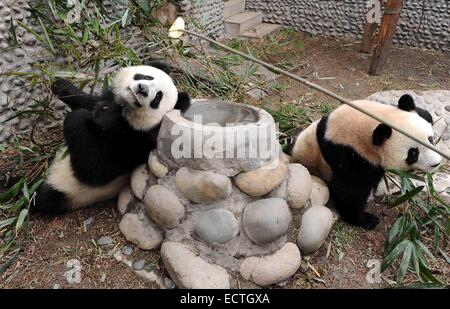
430 139
155 103
143 77
413 156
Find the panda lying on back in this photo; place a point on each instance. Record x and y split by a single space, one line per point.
351 151
108 136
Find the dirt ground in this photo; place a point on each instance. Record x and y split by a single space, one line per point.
341 263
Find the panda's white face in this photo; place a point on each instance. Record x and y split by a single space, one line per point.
401 152
146 93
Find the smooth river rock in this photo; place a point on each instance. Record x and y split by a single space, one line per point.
263 180
266 220
314 229
319 192
190 271
142 233
156 167
140 180
202 186
299 185
216 226
273 268
163 206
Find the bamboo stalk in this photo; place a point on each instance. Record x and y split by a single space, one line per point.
315 86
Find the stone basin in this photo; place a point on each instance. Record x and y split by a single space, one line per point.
219 136
222 113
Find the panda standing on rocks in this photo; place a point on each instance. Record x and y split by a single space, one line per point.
351 152
108 136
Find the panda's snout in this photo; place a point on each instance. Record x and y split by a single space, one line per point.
142 90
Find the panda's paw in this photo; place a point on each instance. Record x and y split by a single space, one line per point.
107 117
63 88
369 221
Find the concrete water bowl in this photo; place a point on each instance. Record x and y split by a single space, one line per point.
218 136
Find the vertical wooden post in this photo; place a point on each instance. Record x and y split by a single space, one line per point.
368 37
388 26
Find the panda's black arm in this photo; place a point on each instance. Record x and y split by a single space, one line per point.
183 102
92 155
73 96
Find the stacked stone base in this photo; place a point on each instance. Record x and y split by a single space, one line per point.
209 226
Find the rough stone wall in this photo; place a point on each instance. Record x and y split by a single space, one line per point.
207 13
422 24
13 60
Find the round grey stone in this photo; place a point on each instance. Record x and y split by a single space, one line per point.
127 250
314 229
266 220
105 241
163 206
202 186
190 271
216 226
447 108
142 233
138 265
169 284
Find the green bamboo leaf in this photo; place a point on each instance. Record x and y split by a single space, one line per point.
12 192
427 276
395 230
390 258
29 30
415 259
85 38
425 249
6 222
23 214
407 175
437 237
47 38
446 257
125 17
25 191
407 196
2 148
105 83
405 262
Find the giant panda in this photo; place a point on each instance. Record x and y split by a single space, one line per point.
107 136
351 151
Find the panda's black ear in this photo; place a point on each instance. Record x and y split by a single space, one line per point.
159 65
381 134
183 102
406 103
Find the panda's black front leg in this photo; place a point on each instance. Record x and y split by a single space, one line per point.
108 116
350 198
73 96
